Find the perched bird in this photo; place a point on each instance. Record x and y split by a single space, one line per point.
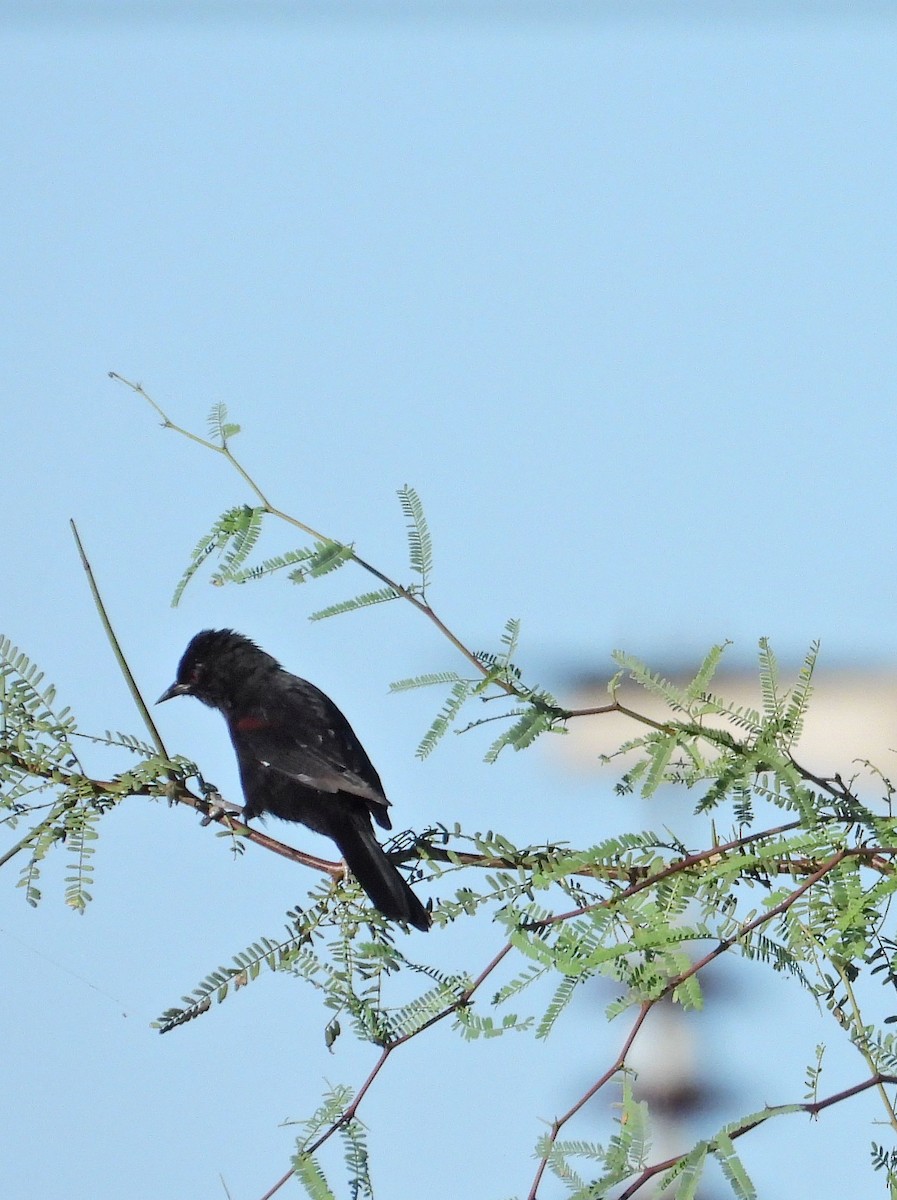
299 758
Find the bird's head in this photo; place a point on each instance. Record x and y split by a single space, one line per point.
214 667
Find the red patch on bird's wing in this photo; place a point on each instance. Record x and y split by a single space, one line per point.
248 724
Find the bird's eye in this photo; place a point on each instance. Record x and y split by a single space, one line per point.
196 674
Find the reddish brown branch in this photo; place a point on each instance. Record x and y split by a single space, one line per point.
616 707
181 794
876 856
558 1124
681 864
349 1112
813 1108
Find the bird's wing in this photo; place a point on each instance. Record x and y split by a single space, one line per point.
303 735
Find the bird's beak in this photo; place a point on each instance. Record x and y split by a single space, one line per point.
176 689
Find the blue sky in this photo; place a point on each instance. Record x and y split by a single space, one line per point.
614 291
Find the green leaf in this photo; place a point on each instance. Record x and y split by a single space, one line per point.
510 637
661 747
676 697
769 682
733 1168
312 1178
244 532
420 681
686 1173
270 565
420 546
798 701
328 556
220 429
531 722
698 686
563 994
447 714
240 525
286 953
365 600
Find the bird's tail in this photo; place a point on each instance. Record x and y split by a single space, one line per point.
384 885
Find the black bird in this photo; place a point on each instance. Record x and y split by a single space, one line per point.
299 758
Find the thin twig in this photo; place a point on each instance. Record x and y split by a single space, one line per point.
403 592
616 707
861 1042
116 647
619 1063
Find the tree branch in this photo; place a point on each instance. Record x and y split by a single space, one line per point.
813 1108
349 1112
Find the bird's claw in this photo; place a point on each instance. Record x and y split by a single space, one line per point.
217 807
